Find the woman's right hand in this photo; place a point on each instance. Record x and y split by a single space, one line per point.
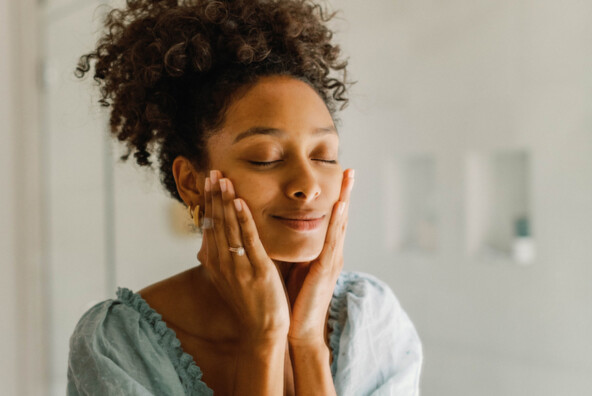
251 283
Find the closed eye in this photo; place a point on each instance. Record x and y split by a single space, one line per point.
326 161
270 163
264 163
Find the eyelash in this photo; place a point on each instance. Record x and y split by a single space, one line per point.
270 163
262 164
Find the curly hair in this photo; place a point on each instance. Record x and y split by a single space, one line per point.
169 69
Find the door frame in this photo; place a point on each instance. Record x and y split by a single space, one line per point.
22 210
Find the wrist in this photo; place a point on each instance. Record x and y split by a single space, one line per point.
308 344
313 337
317 354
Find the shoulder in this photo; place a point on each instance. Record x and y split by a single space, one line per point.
375 344
121 329
360 292
360 283
358 296
121 347
111 322
103 325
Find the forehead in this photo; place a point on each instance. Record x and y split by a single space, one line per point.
277 102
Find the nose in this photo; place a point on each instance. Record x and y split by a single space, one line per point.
303 184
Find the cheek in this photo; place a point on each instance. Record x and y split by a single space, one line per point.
333 186
255 192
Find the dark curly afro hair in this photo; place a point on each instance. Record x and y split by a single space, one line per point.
168 69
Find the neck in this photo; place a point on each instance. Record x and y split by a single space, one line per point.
285 269
293 275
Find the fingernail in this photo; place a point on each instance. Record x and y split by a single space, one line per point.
238 205
341 208
223 185
214 176
351 173
208 184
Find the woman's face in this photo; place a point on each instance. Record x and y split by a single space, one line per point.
279 148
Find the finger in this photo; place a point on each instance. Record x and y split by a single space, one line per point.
347 184
250 236
212 251
231 226
224 257
335 237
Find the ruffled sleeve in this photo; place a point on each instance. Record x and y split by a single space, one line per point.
376 349
122 347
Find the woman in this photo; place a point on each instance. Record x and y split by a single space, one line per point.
236 100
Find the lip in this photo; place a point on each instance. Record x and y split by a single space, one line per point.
301 222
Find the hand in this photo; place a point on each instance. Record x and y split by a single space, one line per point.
309 311
251 283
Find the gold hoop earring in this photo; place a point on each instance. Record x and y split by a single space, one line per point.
194 214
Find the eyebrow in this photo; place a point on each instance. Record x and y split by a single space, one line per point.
258 130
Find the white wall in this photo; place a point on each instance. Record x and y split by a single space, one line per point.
23 347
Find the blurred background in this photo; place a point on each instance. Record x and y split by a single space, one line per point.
470 129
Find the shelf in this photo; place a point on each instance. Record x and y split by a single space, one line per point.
498 212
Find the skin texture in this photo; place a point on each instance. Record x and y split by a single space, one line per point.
256 324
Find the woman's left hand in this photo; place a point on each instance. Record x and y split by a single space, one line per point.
309 310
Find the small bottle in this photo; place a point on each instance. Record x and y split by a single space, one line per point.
523 249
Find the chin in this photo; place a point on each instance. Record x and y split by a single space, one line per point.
292 246
296 254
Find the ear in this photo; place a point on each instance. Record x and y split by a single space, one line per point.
190 183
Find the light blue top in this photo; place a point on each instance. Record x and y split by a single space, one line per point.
123 347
